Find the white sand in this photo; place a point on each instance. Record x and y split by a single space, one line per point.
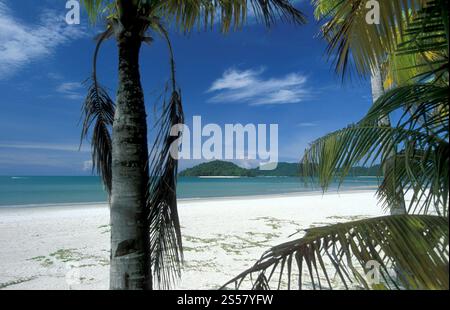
67 247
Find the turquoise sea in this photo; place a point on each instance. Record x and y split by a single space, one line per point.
35 190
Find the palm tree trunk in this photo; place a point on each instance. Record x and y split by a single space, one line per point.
130 257
376 80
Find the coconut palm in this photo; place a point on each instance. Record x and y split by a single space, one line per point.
411 250
350 17
145 230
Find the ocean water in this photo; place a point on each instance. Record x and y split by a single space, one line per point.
37 190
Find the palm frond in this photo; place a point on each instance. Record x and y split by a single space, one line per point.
165 232
97 8
98 111
188 14
335 154
407 252
420 138
270 10
357 43
424 174
423 107
423 51
428 30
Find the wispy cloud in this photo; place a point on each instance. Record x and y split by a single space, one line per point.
249 86
71 90
44 146
22 43
306 124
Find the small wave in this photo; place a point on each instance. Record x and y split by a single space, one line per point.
19 178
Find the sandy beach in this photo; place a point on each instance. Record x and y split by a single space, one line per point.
67 247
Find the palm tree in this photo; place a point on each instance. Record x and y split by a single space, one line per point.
410 250
343 15
145 230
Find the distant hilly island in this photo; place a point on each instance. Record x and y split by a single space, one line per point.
225 168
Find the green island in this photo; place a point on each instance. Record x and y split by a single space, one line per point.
224 168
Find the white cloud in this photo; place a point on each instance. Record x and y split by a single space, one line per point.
21 43
71 90
250 87
45 146
307 124
43 158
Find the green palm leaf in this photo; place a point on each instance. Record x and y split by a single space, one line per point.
186 14
358 43
425 175
408 251
421 104
420 140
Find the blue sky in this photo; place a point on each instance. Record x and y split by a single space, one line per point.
254 75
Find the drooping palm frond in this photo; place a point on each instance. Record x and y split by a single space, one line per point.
165 232
420 136
188 14
400 251
270 10
423 51
336 153
98 111
428 30
422 165
429 188
418 101
358 43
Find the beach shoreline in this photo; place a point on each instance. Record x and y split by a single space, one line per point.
67 246
354 190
